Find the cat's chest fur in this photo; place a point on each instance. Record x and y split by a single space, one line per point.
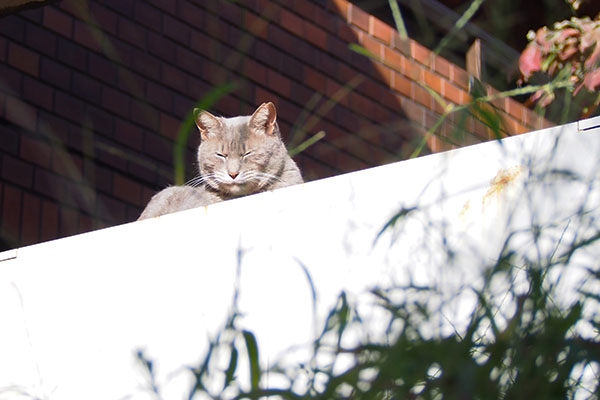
236 157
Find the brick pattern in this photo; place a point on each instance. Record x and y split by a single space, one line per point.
92 95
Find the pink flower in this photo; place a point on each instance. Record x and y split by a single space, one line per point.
592 80
530 60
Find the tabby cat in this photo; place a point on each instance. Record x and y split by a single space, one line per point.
237 156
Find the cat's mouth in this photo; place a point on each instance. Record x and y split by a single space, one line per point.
236 188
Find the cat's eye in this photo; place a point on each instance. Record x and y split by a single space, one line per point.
221 155
248 153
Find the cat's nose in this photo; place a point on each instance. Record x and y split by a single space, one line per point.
233 174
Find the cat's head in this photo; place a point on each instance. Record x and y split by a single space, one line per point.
241 155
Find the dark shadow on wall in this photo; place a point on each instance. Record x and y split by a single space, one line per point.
94 94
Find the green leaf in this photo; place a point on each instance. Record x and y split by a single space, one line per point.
252 348
230 372
398 20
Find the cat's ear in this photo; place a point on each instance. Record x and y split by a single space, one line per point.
264 118
207 123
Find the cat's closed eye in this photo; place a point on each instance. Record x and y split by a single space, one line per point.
247 154
221 155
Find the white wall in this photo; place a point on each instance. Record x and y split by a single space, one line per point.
74 311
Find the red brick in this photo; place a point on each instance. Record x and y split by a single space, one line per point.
67 164
452 93
358 17
17 171
68 106
423 97
262 96
11 213
144 114
176 30
174 78
30 224
58 21
339 6
231 12
23 59
132 33
99 121
381 30
515 109
148 15
255 25
38 39
145 64
72 54
3 47
103 17
188 60
55 74
255 71
433 81
394 59
402 85
158 148
130 82
401 45
291 22
86 223
115 101
69 223
89 36
159 96
315 35
383 73
35 151
21 113
279 83
532 119
373 46
214 27
38 93
127 190
421 54
102 68
413 111
441 66
55 128
2 104
169 6
160 46
13 28
128 134
337 92
459 77
191 13
87 88
169 126
314 79
414 71
49 224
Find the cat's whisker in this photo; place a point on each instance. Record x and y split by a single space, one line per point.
257 175
194 181
199 181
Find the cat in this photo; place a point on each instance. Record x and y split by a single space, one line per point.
237 156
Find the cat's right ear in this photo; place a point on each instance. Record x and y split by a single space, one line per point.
207 123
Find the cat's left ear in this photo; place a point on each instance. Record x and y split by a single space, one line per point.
264 118
207 123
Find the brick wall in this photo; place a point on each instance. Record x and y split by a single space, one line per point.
93 94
